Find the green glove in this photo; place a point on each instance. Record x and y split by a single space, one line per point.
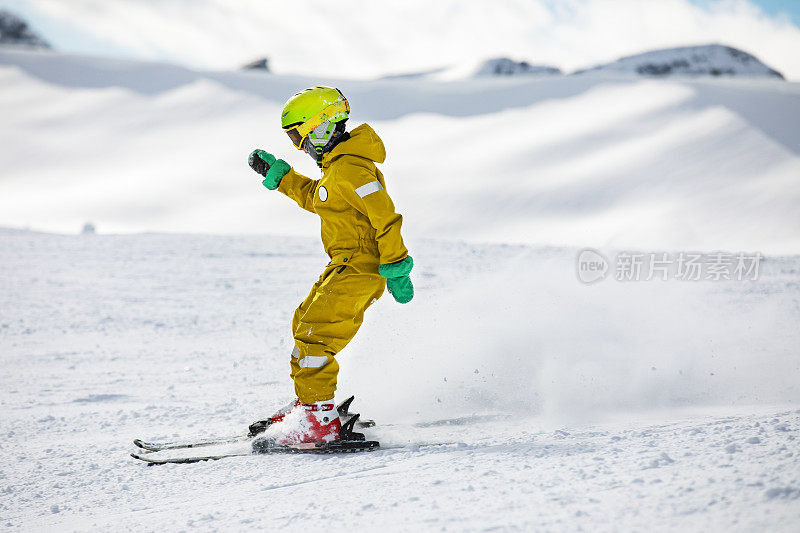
272 169
397 280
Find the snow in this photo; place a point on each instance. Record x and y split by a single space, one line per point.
539 407
705 60
555 160
507 395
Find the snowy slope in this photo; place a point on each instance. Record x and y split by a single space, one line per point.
706 60
588 160
503 401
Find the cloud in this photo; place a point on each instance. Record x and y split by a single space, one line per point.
362 38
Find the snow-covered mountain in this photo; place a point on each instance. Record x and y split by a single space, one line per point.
500 67
15 31
565 160
372 40
503 66
706 60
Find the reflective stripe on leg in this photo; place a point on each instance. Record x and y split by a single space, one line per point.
313 361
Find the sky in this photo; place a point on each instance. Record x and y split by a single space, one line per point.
789 8
366 39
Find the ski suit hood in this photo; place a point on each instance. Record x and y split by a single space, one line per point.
363 142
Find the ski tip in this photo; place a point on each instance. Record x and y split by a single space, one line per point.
149 463
145 446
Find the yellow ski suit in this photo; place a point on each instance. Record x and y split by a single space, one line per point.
360 230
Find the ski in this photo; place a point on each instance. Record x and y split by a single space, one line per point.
177 445
254 430
183 460
340 447
350 442
311 448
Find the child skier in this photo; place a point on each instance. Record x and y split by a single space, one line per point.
361 235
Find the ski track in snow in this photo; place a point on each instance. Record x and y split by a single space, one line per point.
109 338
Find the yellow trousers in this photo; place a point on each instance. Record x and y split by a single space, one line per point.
326 321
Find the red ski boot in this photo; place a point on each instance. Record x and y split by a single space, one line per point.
310 428
303 424
316 422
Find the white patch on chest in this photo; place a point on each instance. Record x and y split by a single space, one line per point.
322 192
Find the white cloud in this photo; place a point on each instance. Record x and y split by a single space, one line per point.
363 38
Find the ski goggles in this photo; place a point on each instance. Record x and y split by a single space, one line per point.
295 137
336 111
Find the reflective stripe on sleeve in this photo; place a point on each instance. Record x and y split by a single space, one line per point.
369 188
313 361
295 352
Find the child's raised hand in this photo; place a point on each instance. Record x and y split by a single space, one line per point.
260 161
272 169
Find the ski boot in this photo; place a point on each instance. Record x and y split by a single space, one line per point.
256 428
310 428
305 423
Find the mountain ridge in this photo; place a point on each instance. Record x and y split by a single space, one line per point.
702 60
16 32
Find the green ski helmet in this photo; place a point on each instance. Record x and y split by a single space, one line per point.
314 119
